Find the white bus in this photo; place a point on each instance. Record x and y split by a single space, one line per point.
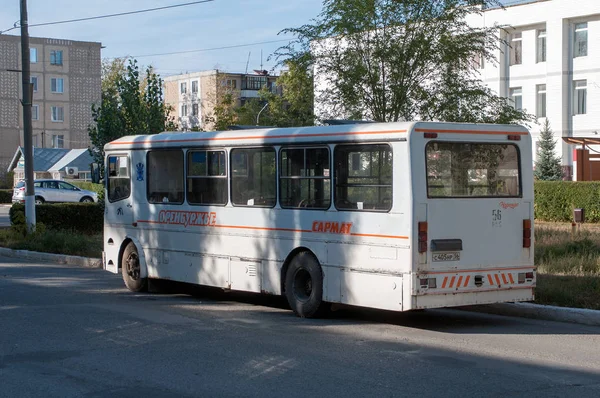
395 216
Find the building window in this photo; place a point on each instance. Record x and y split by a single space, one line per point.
195 86
231 83
253 82
183 88
34 81
305 178
58 141
57 114
184 110
194 109
363 177
35 112
56 57
253 177
581 40
516 50
119 183
33 55
57 85
206 178
477 62
580 97
541 100
516 95
165 176
541 45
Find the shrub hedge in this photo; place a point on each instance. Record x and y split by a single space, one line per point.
555 200
6 195
87 218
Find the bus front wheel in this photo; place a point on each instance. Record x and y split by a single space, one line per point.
304 286
131 268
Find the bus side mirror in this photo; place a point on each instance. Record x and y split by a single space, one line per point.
95 171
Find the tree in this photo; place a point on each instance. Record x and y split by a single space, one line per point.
392 60
548 164
130 105
290 104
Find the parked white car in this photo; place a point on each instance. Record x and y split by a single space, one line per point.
54 191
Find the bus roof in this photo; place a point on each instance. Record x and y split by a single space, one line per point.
392 131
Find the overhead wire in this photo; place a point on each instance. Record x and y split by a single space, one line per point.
16 26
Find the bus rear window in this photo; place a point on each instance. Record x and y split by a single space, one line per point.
458 170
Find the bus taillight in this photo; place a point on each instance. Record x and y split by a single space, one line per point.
526 233
422 237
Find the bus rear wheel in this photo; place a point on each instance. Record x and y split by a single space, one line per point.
304 286
131 269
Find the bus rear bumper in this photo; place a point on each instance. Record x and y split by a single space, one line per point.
463 299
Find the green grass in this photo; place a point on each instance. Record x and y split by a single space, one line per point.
58 242
568 267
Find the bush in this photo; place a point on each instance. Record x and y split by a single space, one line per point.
6 195
87 218
555 200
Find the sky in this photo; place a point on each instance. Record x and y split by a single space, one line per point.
219 23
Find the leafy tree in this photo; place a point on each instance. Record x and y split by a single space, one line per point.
392 60
130 105
548 164
291 104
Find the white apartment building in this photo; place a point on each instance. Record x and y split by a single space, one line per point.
552 66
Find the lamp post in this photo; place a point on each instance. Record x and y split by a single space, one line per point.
27 127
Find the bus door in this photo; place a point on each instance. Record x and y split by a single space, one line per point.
479 207
118 213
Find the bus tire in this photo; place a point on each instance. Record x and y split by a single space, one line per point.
130 268
304 286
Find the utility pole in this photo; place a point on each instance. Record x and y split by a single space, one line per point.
27 123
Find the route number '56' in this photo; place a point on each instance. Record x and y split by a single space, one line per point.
496 215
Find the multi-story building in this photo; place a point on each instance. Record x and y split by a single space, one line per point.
66 82
550 67
193 96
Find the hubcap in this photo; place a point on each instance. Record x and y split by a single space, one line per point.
133 266
302 285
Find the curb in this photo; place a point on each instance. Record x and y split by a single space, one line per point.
78 261
538 311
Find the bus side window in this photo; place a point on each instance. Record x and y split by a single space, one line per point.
363 177
119 181
305 178
165 176
253 176
206 177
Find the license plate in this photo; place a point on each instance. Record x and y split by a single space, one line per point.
455 256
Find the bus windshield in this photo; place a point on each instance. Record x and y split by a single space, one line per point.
463 170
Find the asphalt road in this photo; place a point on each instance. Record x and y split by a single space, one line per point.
67 332
4 220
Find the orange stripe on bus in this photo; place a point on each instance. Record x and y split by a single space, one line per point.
379 236
504 279
452 281
512 281
277 229
254 137
490 279
471 132
497 279
445 281
467 280
459 281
